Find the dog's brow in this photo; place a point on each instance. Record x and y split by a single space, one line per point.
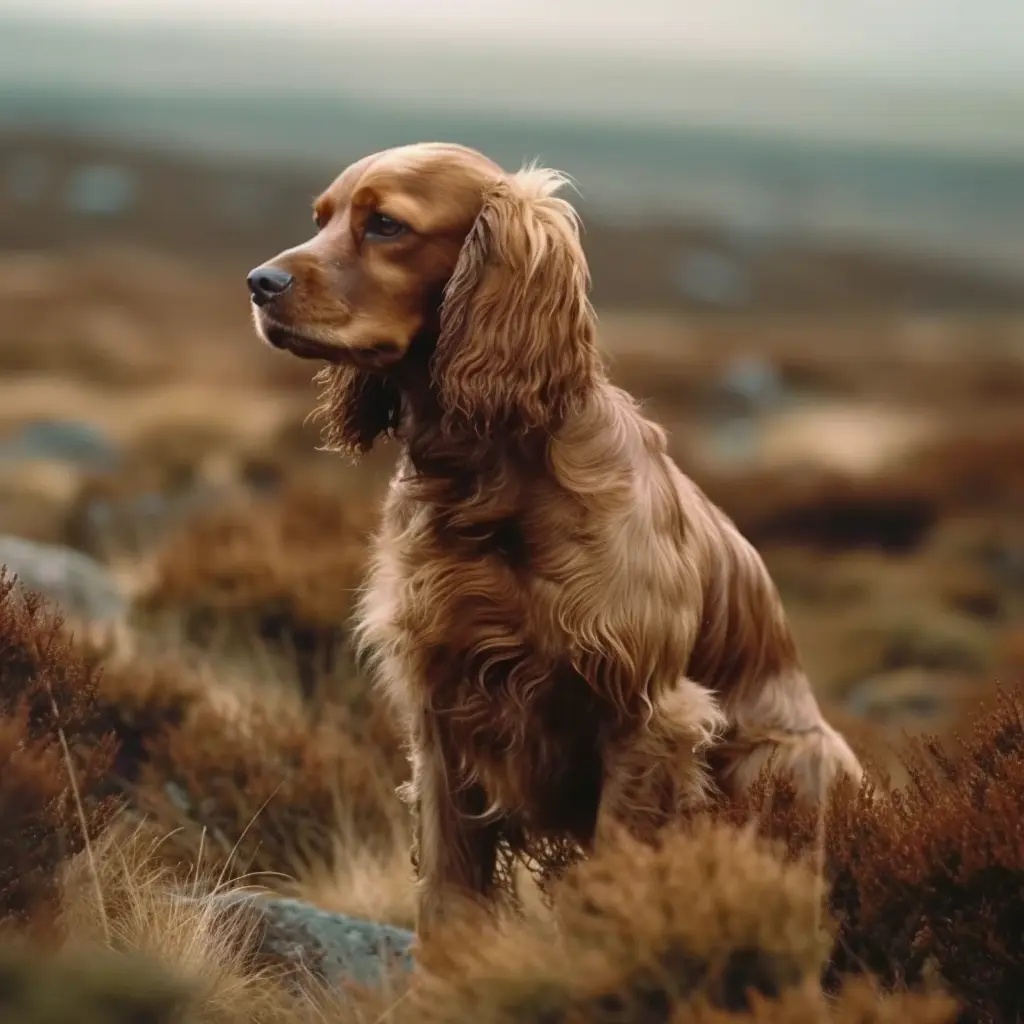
404 207
323 208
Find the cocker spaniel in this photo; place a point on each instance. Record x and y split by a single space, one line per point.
575 637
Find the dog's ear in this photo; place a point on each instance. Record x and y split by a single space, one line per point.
356 407
516 349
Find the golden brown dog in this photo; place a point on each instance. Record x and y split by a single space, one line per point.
566 625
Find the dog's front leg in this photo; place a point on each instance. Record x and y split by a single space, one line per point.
456 851
659 773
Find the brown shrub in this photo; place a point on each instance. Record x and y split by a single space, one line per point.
709 925
249 782
643 930
713 911
974 467
87 988
127 908
47 697
1010 655
279 570
826 509
243 774
128 510
970 468
859 1004
141 947
926 881
144 695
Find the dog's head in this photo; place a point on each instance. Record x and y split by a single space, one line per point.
434 245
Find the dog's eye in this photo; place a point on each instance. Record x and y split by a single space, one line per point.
380 225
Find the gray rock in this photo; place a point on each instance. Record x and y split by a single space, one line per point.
711 277
77 584
734 440
138 521
752 381
904 696
101 190
334 947
64 440
1006 563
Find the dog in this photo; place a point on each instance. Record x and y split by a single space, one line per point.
575 638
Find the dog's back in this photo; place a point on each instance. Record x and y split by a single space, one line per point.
746 654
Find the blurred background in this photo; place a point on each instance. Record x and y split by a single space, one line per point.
805 223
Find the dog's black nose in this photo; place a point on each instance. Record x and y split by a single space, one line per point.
266 283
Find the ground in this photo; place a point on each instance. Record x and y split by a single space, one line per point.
219 729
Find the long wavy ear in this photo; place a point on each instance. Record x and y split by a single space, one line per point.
356 407
516 349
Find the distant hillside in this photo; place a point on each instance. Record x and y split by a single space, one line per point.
754 153
59 192
962 205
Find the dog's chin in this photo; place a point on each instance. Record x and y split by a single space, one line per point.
297 344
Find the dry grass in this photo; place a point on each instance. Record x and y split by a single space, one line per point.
924 880
56 751
280 570
207 944
240 784
224 739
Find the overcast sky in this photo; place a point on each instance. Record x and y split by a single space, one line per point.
965 42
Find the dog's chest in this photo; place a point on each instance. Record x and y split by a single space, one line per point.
472 637
535 754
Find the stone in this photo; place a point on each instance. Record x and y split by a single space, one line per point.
60 440
712 277
906 697
752 381
78 585
101 190
99 523
336 948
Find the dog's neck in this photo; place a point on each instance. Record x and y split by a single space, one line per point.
442 450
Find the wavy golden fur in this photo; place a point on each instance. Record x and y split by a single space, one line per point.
573 634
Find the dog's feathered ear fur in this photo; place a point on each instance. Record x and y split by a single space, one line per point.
356 407
517 349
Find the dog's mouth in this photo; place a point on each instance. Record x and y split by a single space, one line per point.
288 340
378 356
